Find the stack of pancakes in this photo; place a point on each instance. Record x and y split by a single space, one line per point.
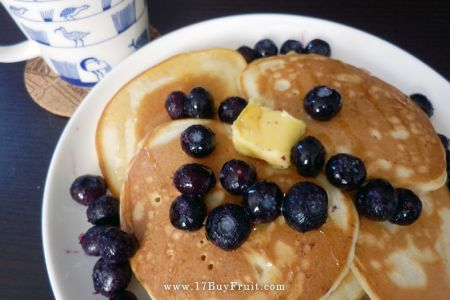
348 257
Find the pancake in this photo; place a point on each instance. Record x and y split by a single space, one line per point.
348 289
310 265
377 123
407 262
139 106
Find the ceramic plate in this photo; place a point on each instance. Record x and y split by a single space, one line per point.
63 220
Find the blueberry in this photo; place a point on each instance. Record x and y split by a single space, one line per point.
199 104
444 140
266 47
90 240
424 104
110 278
248 53
408 208
376 200
117 246
230 109
262 201
228 226
175 103
194 179
308 156
123 295
291 45
322 103
305 206
236 175
104 210
198 141
318 46
187 212
345 171
86 188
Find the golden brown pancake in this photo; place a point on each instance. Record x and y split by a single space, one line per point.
139 106
377 123
407 262
309 265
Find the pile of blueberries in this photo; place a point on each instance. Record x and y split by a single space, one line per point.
266 47
229 225
112 272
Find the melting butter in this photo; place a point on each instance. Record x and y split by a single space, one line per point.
267 134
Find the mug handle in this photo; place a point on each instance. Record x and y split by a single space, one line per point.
19 52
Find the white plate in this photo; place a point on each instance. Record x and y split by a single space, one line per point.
63 220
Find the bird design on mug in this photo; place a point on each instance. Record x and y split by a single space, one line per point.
76 36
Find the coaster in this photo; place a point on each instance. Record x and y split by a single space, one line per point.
52 93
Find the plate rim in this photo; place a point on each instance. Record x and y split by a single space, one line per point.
101 86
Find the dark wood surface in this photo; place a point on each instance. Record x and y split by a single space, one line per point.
28 134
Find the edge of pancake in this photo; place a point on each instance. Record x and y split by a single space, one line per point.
348 289
102 123
351 255
360 277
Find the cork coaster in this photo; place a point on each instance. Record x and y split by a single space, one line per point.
52 93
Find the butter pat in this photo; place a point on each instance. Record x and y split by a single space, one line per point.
267 134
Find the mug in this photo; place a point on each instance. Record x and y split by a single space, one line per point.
83 62
56 10
83 31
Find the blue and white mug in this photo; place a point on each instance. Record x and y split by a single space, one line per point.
84 62
57 10
82 31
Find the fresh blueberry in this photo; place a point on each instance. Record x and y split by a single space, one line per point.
117 246
322 103
424 104
345 171
104 210
187 212
248 53
175 103
444 140
194 179
291 46
408 209
262 201
198 141
86 188
318 46
308 156
376 200
230 109
199 104
305 206
228 226
123 295
236 175
110 278
90 240
266 47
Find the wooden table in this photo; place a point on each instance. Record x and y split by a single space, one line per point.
28 134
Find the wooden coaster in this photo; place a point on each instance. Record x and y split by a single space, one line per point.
52 93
